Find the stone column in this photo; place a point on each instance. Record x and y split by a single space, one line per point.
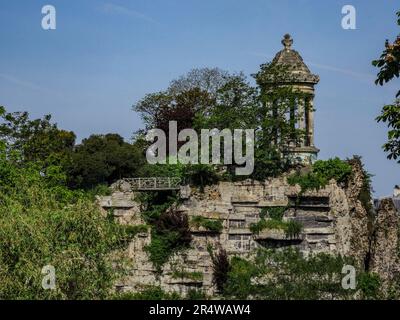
310 115
302 118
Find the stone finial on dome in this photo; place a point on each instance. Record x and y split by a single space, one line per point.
287 41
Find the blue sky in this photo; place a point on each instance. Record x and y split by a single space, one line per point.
105 55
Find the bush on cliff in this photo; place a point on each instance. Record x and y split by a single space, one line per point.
321 173
43 223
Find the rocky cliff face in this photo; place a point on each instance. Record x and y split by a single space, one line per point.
359 217
384 250
334 219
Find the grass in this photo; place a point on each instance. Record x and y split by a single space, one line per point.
291 228
182 274
212 225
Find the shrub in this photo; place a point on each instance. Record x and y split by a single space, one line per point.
201 175
149 293
369 284
322 172
276 213
292 228
333 169
285 274
239 279
46 224
155 203
171 233
134 230
221 268
195 294
213 225
182 274
209 224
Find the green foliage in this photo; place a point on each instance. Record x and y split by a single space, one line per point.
155 203
194 294
389 61
275 213
391 115
389 68
99 190
332 169
163 170
209 224
42 223
185 97
365 195
239 279
322 172
156 293
103 159
182 274
208 99
234 107
134 230
200 175
162 246
213 225
292 228
268 162
170 233
221 268
286 275
308 181
99 159
369 284
36 140
148 293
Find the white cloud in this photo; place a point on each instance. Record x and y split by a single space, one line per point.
112 8
342 70
19 82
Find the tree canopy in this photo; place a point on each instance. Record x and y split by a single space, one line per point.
389 64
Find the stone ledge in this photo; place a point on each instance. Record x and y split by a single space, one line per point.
317 231
276 234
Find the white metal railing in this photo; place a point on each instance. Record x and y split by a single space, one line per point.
156 183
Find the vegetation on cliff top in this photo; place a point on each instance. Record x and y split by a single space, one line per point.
322 171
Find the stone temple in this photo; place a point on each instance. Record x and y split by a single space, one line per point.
334 219
300 78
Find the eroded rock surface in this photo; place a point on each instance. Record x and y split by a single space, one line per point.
334 220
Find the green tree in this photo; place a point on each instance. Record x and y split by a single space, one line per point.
104 159
37 140
44 223
391 115
229 101
389 64
189 94
389 61
286 275
264 108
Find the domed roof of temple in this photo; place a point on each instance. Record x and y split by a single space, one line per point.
297 70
